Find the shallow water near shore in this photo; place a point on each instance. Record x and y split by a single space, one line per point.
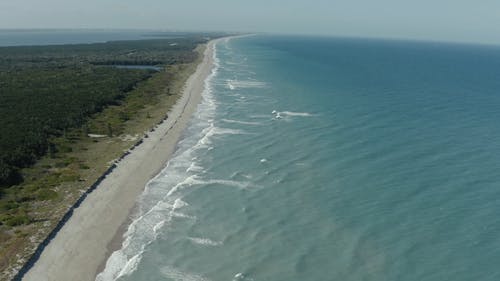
329 159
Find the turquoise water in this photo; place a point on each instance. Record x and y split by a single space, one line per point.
330 159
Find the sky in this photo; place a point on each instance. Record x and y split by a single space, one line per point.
441 20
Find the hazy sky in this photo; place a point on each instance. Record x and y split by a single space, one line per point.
457 20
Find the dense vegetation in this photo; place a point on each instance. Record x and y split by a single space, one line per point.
45 90
38 103
67 113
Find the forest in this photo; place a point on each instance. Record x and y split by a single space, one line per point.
45 90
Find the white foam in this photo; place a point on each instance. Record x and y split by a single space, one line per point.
241 122
240 174
204 241
119 266
227 131
260 116
302 114
194 180
235 84
113 267
178 203
130 266
161 206
140 233
181 215
191 180
282 114
240 277
178 275
158 226
194 168
211 131
238 184
207 133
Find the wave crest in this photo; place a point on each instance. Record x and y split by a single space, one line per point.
204 241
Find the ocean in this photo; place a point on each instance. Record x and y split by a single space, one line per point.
329 159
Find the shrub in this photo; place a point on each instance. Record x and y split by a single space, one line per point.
17 220
46 194
9 205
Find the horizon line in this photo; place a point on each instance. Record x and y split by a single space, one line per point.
322 35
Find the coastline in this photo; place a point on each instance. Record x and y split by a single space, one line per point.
83 244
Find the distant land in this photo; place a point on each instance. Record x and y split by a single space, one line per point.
37 37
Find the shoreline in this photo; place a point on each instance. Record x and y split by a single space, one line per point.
86 240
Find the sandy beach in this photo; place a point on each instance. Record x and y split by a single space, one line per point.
84 243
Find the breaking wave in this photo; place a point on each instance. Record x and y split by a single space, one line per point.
235 84
204 241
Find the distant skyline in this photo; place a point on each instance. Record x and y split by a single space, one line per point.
440 20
